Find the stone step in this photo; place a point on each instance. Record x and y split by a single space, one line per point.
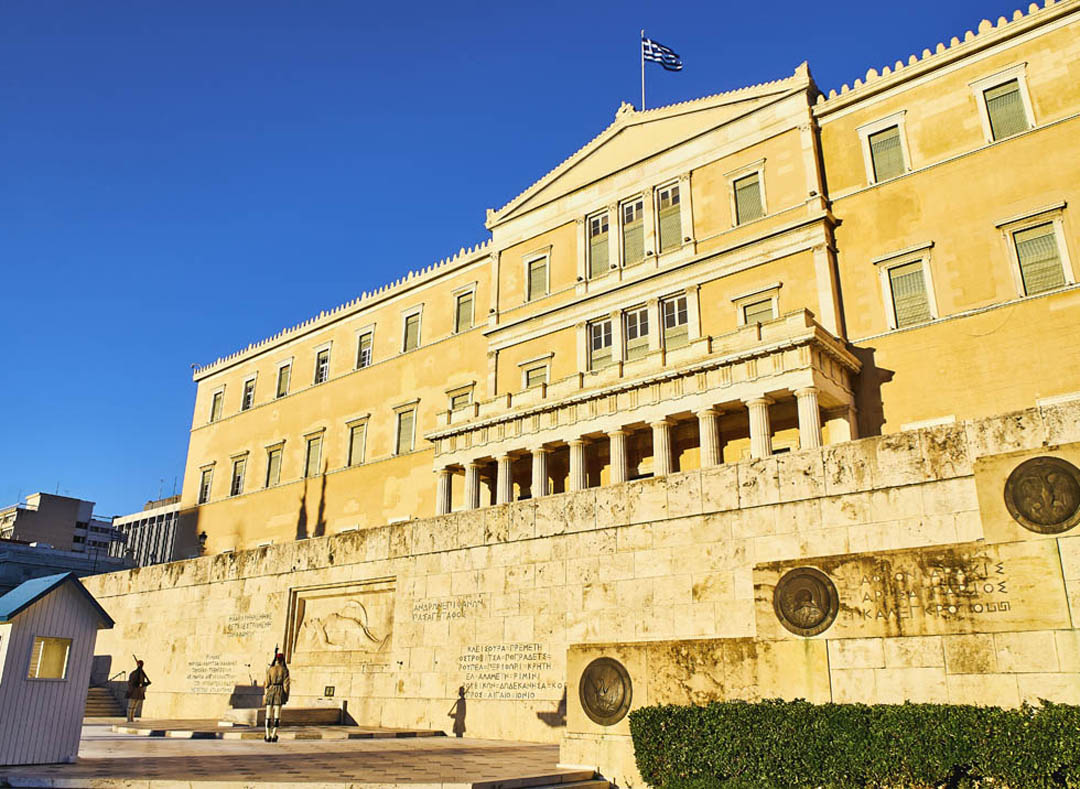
100 703
571 779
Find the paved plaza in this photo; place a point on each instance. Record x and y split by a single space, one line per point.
108 759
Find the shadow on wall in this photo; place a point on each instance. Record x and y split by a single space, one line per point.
558 717
246 697
457 712
319 529
868 392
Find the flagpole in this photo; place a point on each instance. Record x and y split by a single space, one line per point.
641 47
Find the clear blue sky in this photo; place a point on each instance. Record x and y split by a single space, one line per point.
181 178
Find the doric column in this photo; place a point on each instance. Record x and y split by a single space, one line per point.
472 486
760 429
504 483
577 464
539 472
442 496
661 447
809 418
619 471
709 436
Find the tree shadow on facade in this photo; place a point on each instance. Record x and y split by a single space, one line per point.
558 717
319 529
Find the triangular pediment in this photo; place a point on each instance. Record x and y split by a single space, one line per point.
635 136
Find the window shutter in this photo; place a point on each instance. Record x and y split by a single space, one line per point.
598 255
670 221
537 278
283 380
758 312
910 304
1006 110
464 317
363 350
314 450
273 468
747 199
1040 263
356 445
405 431
886 154
633 233
535 377
412 332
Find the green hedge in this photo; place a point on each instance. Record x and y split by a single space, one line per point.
787 745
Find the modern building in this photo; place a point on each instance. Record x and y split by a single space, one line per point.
61 522
767 269
148 536
21 561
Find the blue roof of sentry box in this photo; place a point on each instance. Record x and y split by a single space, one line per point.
29 592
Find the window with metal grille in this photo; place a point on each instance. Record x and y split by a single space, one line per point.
758 312
600 344
1040 261
676 322
405 422
748 204
411 339
273 466
49 658
284 373
538 278
633 232
670 221
1005 108
248 399
216 405
204 485
636 323
598 245
363 350
322 366
463 313
313 456
535 376
886 153
357 435
908 287
238 468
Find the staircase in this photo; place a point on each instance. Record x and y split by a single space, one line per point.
100 703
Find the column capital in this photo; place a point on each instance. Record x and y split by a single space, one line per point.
618 432
709 411
763 400
444 471
474 465
504 457
541 450
577 442
805 391
665 422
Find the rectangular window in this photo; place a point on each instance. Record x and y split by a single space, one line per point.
459 401
758 312
670 224
313 456
238 468
49 658
598 245
538 278
633 232
248 400
1005 108
411 340
599 344
357 434
908 287
748 203
363 350
204 485
273 467
463 313
535 376
1040 261
284 374
216 404
886 154
636 322
322 365
405 422
676 324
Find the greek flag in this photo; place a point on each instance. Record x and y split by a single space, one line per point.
658 53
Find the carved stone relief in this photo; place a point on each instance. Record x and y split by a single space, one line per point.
605 691
349 624
806 601
1043 495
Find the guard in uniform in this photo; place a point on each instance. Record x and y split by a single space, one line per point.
136 690
276 695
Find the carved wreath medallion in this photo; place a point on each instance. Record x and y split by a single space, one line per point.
805 601
1043 495
605 691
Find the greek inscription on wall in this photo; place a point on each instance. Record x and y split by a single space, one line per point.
442 609
212 674
247 624
513 670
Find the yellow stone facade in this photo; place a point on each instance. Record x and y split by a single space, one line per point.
743 274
